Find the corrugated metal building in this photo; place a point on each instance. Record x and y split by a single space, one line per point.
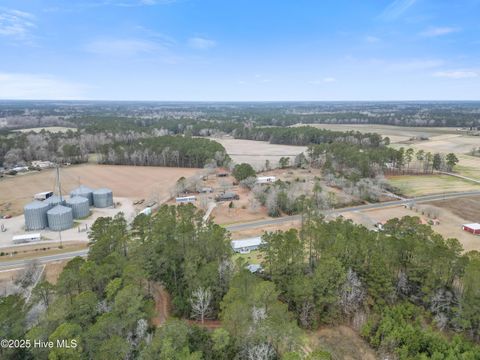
103 198
36 215
60 218
80 206
83 191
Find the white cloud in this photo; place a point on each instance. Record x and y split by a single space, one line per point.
396 8
122 47
372 39
324 80
457 74
329 79
39 87
201 43
16 24
438 31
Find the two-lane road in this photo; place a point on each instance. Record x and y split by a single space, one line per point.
259 224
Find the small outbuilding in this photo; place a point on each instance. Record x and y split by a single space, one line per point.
472 228
266 179
228 196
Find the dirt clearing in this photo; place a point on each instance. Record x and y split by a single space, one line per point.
343 343
466 208
134 182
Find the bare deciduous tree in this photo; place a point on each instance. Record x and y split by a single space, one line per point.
200 302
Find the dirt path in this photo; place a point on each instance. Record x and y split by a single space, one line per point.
162 304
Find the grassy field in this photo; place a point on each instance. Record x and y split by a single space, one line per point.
430 184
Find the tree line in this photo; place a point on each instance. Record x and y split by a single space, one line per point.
178 151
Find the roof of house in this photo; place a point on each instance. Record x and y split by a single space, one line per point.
474 226
238 244
253 268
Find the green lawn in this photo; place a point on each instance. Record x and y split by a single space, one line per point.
254 257
412 185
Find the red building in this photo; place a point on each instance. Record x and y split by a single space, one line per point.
472 228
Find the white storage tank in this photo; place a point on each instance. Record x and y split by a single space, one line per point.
83 191
36 215
103 198
80 206
60 218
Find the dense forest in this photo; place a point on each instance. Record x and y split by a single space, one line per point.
178 151
410 293
82 114
305 135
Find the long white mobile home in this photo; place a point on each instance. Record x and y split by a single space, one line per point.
185 199
20 239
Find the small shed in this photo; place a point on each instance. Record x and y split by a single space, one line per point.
266 179
472 228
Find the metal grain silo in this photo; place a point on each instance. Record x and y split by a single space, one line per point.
79 205
55 200
36 215
60 218
83 191
102 198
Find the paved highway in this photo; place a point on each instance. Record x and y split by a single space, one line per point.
262 223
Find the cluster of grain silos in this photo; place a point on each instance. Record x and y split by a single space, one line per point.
58 214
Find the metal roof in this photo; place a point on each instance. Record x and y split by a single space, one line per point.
36 205
255 241
54 199
102 191
82 189
474 226
77 200
58 210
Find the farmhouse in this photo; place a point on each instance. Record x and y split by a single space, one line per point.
244 246
472 228
265 179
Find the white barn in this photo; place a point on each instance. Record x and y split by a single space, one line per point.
244 246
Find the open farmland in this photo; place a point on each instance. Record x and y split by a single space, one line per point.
134 182
396 134
410 185
257 152
466 208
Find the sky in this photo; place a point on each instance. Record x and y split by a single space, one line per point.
240 50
